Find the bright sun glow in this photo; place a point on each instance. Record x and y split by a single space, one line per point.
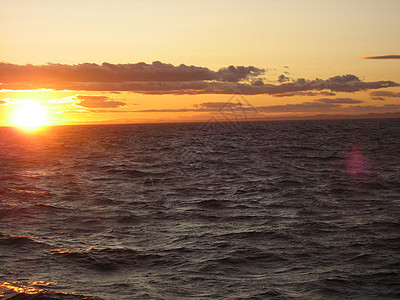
30 116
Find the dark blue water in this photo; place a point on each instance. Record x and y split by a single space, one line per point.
263 210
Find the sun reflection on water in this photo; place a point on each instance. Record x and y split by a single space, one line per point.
34 287
35 174
8 290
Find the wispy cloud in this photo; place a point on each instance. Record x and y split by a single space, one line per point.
304 107
323 105
99 102
306 94
160 78
387 56
218 105
385 94
339 100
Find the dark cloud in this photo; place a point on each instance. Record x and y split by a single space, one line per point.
324 93
320 107
385 94
299 107
339 100
99 102
308 94
344 83
344 78
378 98
351 83
304 107
106 73
371 108
283 78
159 78
236 74
205 87
257 82
118 73
388 56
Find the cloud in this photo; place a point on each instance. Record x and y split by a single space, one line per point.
299 107
323 105
160 78
257 82
339 100
118 73
218 105
304 107
385 94
326 93
378 98
98 102
69 100
387 56
283 78
327 106
236 74
371 108
342 83
215 87
308 94
89 72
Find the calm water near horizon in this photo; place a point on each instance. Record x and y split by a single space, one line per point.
252 210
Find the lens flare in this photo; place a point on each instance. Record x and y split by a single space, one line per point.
356 162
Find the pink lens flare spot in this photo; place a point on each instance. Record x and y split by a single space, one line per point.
356 162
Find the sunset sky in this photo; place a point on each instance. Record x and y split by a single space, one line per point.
166 61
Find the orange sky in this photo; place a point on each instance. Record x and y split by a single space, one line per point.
163 61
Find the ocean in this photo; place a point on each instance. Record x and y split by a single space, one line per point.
235 210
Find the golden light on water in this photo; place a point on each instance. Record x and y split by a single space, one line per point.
29 116
8 288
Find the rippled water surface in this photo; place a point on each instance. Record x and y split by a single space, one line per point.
263 210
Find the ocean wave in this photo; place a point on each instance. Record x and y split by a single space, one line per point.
10 240
109 259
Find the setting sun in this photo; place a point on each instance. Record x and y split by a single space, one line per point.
30 116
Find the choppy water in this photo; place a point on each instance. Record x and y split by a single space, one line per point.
266 210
